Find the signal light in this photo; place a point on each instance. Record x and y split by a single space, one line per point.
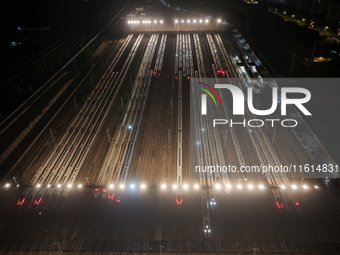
279 204
37 201
111 196
21 201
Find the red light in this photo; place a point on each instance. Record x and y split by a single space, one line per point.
21 201
37 202
188 77
155 72
110 71
118 200
297 203
223 72
218 71
176 77
104 190
96 190
279 204
179 201
111 197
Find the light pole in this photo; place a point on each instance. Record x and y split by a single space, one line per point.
255 250
15 179
273 139
59 248
161 248
51 132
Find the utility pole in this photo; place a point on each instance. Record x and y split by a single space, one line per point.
59 248
171 104
225 138
51 132
30 88
108 135
273 139
161 249
15 179
75 103
18 86
312 57
91 80
121 103
292 64
169 137
255 250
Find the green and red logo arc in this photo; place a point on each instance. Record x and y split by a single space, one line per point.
209 93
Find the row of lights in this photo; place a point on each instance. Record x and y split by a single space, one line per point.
59 185
261 186
132 186
185 186
177 21
218 186
296 187
145 22
188 21
38 185
175 186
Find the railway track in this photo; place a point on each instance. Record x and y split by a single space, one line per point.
65 161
